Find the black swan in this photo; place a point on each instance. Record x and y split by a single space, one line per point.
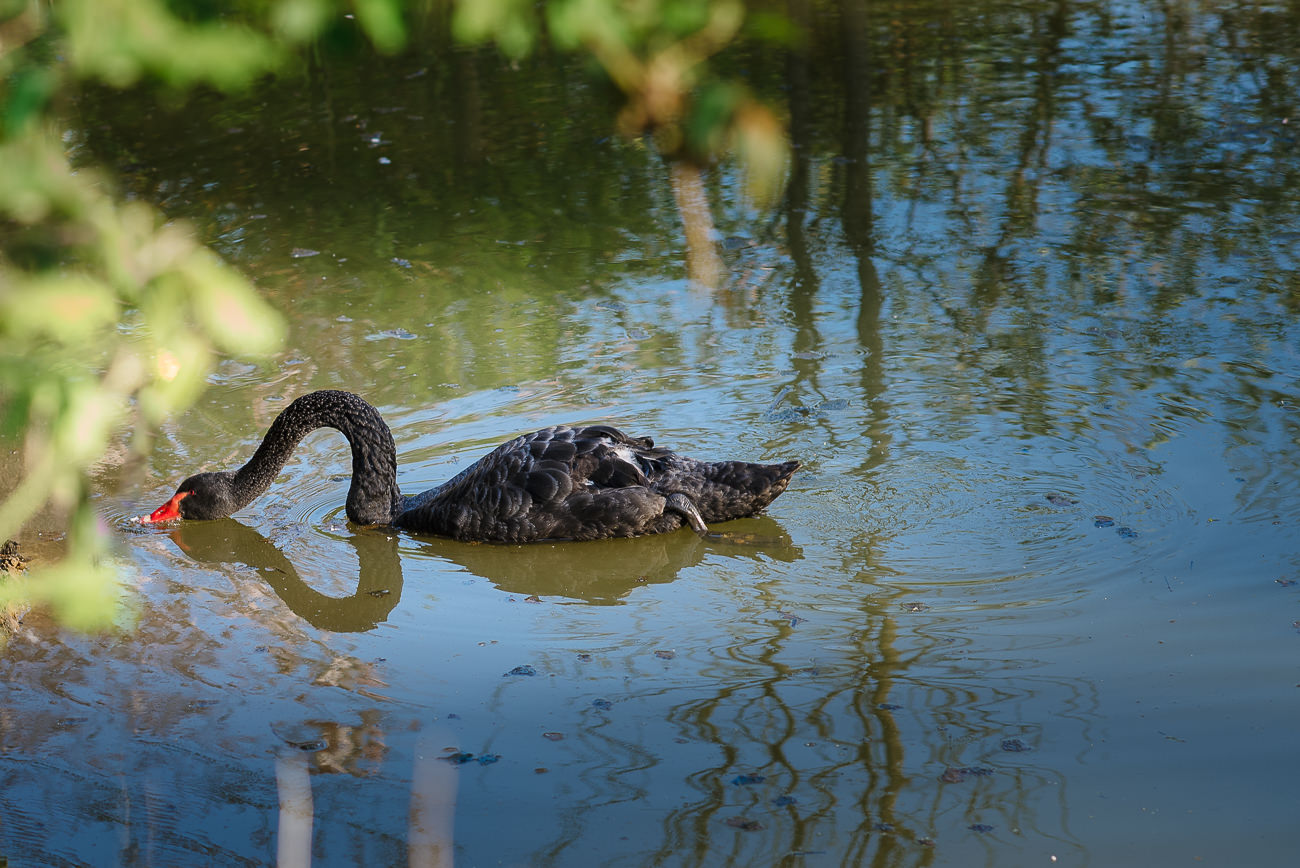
559 483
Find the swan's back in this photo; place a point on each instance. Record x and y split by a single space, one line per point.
588 483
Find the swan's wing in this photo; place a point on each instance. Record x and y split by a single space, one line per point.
556 483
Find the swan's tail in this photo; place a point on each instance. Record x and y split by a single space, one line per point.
725 490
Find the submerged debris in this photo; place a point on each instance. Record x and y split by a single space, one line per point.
956 775
520 670
461 758
745 824
747 780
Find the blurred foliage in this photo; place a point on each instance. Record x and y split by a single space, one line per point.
108 313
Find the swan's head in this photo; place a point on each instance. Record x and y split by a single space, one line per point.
202 496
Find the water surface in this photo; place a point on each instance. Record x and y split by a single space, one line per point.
1028 314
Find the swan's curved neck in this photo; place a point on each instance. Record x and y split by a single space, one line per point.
373 497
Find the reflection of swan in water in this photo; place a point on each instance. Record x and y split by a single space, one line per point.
603 572
379 579
600 572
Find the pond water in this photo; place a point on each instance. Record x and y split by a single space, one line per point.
1027 312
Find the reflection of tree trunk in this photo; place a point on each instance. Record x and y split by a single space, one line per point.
467 98
857 127
887 779
703 264
1022 207
797 190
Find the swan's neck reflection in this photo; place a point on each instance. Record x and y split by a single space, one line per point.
379 577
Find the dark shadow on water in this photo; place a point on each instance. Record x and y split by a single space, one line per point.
604 572
601 572
379 578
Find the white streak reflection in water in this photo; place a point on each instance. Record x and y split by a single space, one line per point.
433 805
293 784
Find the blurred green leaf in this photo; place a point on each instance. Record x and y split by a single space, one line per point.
29 92
511 23
229 311
382 21
64 308
774 28
120 41
299 20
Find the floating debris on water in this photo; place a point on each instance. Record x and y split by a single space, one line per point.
461 758
956 775
520 670
393 334
747 780
745 824
794 412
